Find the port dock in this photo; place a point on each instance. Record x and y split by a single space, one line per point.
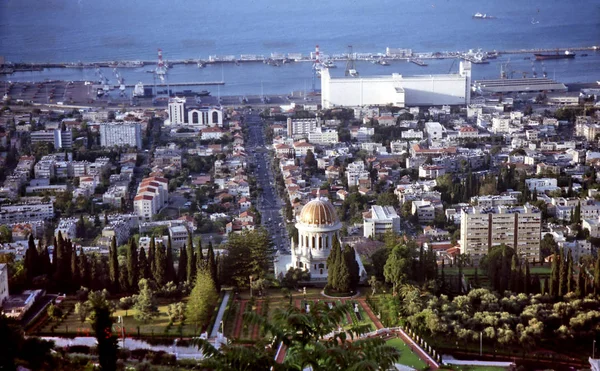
277 59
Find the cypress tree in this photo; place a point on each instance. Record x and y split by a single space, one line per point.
570 282
45 264
421 273
212 265
580 284
171 276
132 266
527 284
353 267
562 285
152 257
553 289
547 289
343 274
519 280
443 277
183 265
476 278
63 264
84 269
160 265
536 285
54 255
332 263
143 265
191 260
504 282
597 276
31 260
113 265
577 215
200 263
75 275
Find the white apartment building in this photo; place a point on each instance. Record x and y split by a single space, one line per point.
67 228
541 185
323 137
26 212
412 134
491 201
115 195
500 125
212 133
379 220
301 126
120 134
179 235
485 227
431 171
205 116
152 195
398 147
435 130
176 111
355 172
302 148
426 210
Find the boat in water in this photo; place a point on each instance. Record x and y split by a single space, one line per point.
482 16
329 64
353 72
203 93
566 55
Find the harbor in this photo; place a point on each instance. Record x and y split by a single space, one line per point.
278 59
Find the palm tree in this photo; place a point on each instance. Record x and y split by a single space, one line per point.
310 339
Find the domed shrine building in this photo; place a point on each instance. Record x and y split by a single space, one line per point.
317 225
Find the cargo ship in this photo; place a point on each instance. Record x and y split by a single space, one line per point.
566 55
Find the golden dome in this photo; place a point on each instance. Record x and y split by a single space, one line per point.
318 212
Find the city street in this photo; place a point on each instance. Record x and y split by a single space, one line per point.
268 203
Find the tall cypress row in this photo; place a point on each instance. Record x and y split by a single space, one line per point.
580 284
160 265
113 265
143 265
191 260
527 281
212 265
75 275
570 281
183 265
84 269
353 267
554 282
132 266
152 257
171 276
332 263
200 263
562 284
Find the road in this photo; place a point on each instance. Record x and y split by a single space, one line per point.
269 204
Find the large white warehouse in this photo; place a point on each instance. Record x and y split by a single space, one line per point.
398 90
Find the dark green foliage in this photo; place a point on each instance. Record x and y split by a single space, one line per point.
555 276
152 257
212 265
113 265
527 279
191 260
570 280
32 261
562 279
248 254
160 265
84 269
182 266
132 266
107 342
144 265
171 276
75 274
353 268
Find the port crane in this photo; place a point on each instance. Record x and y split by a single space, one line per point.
316 68
161 73
350 67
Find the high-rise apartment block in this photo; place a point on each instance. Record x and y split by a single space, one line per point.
516 226
120 134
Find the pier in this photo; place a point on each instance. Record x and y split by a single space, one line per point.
281 58
197 83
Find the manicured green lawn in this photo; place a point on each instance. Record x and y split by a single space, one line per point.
407 357
158 326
